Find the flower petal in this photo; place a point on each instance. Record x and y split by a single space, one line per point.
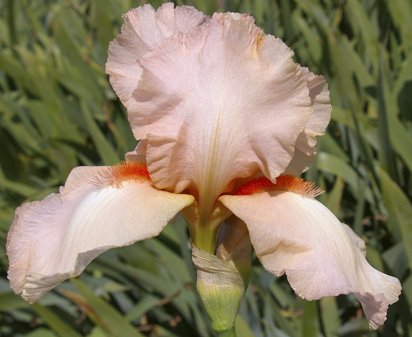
219 103
143 29
316 125
138 154
299 236
98 209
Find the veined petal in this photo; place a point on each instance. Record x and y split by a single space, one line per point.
99 208
319 119
143 29
297 235
218 103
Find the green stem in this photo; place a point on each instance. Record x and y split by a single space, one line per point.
227 333
205 238
221 288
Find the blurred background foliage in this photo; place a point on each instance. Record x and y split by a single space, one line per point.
57 111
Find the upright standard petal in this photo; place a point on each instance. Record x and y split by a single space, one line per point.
99 208
294 234
318 121
143 29
223 101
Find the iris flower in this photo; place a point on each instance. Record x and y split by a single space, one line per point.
226 120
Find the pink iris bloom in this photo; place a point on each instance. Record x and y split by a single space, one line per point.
225 119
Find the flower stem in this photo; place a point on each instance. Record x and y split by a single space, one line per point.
223 276
221 289
227 333
205 238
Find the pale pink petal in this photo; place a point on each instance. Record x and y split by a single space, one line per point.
138 154
98 209
143 29
319 119
222 102
297 235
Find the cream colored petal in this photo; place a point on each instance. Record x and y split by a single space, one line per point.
319 119
56 238
219 103
321 257
143 29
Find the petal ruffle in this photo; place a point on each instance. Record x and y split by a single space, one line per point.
318 121
143 29
98 209
299 236
219 103
138 154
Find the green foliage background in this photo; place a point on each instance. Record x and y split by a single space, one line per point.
57 111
